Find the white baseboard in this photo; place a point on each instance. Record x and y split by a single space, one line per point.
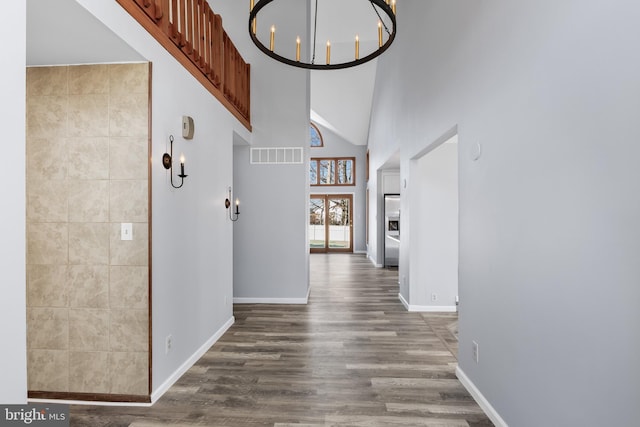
427 308
304 300
360 252
480 399
162 389
374 262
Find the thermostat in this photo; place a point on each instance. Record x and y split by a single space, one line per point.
187 127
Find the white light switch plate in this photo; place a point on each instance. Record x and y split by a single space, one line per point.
126 231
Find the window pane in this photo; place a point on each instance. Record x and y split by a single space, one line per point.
316 139
345 171
327 172
313 172
316 223
339 227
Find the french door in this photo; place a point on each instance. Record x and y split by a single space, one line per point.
331 223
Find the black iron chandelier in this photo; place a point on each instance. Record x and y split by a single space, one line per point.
385 14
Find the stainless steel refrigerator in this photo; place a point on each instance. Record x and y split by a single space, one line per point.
391 229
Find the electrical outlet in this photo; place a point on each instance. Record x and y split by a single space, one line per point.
168 343
434 297
475 352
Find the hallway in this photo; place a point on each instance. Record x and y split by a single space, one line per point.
352 357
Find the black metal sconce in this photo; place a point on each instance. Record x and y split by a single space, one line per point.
167 162
227 205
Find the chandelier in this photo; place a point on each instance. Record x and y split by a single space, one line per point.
290 52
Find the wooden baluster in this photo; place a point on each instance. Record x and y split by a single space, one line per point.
203 34
159 6
189 27
196 31
217 61
162 15
209 43
183 23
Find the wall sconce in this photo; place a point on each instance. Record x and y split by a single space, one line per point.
227 205
167 162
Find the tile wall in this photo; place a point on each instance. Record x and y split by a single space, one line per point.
87 172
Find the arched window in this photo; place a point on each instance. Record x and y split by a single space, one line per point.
316 136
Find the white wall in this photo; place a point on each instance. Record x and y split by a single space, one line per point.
271 262
549 238
192 237
433 241
13 320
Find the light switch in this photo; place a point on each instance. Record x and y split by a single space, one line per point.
126 231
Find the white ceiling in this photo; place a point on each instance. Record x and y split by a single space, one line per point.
78 39
340 99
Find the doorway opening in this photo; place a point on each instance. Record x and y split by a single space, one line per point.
331 223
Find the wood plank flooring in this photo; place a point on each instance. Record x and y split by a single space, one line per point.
352 357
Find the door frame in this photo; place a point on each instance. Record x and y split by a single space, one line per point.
327 197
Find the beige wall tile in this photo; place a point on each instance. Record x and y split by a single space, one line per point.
47 201
89 372
88 115
89 201
88 329
46 158
129 287
128 201
43 81
129 373
88 286
129 158
128 114
129 330
47 286
89 79
88 158
130 252
48 328
129 78
48 370
47 116
47 243
88 243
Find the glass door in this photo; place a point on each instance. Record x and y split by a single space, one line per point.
331 223
317 232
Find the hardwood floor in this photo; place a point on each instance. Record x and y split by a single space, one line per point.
352 357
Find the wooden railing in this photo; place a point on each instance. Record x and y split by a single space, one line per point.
194 35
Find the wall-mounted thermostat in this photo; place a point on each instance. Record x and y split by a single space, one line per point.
187 127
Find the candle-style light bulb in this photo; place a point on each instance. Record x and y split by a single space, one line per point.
298 48
379 33
328 52
357 47
393 6
237 206
273 38
255 20
181 164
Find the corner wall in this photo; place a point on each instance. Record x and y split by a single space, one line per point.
549 238
271 256
13 358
